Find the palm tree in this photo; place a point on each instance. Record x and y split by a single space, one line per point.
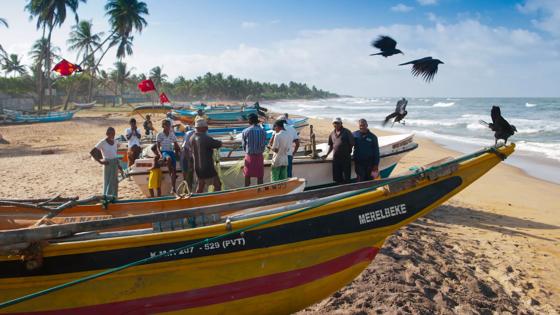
3 54
49 14
13 64
40 52
120 76
84 40
157 76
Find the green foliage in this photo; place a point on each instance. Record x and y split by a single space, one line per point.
217 86
24 85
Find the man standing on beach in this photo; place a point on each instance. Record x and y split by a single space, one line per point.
253 140
169 148
105 153
133 136
294 144
202 146
366 152
341 142
187 163
281 147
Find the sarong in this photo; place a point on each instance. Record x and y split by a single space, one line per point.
110 178
254 165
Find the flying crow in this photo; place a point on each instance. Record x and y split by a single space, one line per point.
399 113
502 129
426 67
387 45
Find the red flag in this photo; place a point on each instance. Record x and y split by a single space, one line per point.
146 86
66 68
163 98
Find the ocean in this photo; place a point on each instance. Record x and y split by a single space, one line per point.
454 123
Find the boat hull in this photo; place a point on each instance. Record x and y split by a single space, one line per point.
12 217
276 268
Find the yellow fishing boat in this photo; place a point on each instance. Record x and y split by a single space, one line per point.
19 215
275 261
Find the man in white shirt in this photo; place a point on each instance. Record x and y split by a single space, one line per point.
281 147
105 153
132 134
294 144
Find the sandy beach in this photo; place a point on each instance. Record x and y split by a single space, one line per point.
494 248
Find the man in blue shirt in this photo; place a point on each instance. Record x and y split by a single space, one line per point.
254 142
366 152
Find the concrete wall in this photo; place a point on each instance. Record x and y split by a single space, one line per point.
16 103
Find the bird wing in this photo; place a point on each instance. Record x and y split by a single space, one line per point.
384 43
426 67
399 107
416 61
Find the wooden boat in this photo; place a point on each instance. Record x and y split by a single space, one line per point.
20 118
297 123
84 105
152 109
316 171
12 217
270 262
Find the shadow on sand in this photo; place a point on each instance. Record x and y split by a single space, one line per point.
488 221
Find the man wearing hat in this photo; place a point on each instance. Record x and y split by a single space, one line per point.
202 146
253 141
341 142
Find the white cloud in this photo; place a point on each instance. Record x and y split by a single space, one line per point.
480 60
427 2
401 8
247 24
548 12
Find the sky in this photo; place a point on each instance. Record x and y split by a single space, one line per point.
490 48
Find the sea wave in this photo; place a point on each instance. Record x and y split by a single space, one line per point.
443 104
530 104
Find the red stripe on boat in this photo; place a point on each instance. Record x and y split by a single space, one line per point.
226 292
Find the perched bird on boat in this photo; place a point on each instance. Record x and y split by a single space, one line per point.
399 113
426 67
501 127
387 45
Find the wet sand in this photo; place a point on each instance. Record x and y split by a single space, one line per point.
494 248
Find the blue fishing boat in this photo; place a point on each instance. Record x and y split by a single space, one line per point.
20 118
216 115
297 123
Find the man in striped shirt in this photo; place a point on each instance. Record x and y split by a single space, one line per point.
254 142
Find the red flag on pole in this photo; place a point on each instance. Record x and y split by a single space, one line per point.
66 68
146 86
163 98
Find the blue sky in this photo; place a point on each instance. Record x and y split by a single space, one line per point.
490 48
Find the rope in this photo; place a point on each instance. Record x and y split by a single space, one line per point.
238 231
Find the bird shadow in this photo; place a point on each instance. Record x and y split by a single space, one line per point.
503 224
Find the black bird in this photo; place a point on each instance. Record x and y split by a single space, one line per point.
502 129
427 67
399 113
387 45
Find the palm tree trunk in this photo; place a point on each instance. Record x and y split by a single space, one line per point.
48 67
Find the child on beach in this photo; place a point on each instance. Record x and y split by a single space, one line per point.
154 181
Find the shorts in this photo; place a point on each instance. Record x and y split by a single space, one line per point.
254 165
170 155
154 181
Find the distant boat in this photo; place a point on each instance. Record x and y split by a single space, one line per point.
84 105
152 109
20 118
219 116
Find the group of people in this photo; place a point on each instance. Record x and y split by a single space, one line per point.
196 153
282 145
